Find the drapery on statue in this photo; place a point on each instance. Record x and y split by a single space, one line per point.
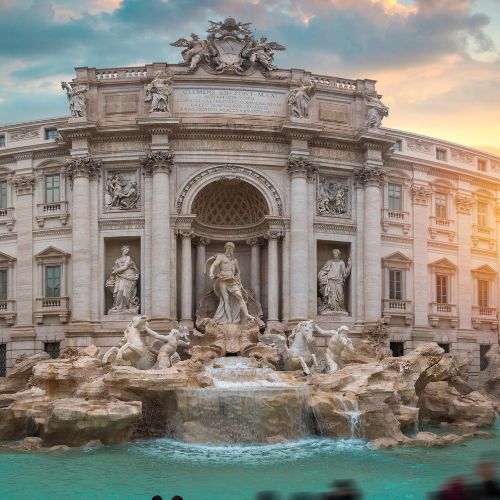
77 97
331 278
376 111
158 93
228 288
123 281
299 100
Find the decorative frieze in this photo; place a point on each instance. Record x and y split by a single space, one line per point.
337 154
419 146
420 194
461 156
369 175
321 227
463 203
85 166
24 184
158 161
24 134
245 144
301 166
333 196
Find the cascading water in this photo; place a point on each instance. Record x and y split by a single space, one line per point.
247 404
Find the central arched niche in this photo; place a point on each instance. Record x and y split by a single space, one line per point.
229 202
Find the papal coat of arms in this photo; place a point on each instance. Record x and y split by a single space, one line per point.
230 47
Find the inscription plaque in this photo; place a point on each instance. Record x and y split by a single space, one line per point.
232 101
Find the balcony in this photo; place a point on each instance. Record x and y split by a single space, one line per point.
440 225
7 218
399 308
56 210
442 311
52 306
395 218
482 314
8 311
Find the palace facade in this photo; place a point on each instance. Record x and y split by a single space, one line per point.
174 160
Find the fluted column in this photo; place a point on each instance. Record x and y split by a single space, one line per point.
420 194
299 168
255 266
371 176
201 246
159 164
186 276
80 170
272 275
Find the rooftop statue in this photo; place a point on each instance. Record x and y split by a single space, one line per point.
77 98
299 99
158 93
230 47
376 111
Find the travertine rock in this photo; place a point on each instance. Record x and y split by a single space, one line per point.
20 373
489 379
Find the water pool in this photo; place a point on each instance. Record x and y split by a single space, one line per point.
141 469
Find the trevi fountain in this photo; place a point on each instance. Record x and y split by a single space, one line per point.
278 378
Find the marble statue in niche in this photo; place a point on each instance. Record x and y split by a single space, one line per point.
376 111
77 98
331 280
299 100
123 283
158 93
225 272
121 191
333 196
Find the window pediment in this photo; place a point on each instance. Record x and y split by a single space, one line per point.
6 260
52 255
484 272
397 259
443 266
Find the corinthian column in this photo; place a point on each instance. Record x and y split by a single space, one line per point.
201 246
159 164
255 266
272 275
299 169
371 176
79 171
186 277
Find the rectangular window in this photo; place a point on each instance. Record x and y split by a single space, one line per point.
52 281
53 349
445 347
482 214
483 293
52 188
442 289
3 360
441 154
3 194
395 284
3 284
481 165
483 360
398 145
2 141
397 348
51 133
441 201
395 197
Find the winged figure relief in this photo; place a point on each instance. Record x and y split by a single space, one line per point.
194 50
262 52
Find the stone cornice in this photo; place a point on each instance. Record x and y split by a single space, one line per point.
397 239
301 166
128 223
84 166
24 155
158 161
323 227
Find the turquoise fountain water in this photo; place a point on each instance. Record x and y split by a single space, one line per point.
165 467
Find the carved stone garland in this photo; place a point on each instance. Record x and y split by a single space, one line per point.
24 184
463 203
420 194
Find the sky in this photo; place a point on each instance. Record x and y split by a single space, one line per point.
437 62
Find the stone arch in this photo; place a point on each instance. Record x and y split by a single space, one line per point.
205 177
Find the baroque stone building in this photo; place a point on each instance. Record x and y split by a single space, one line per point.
173 160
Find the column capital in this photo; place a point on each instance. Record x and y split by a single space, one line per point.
201 241
253 242
463 203
366 175
301 166
83 166
184 233
420 194
158 161
274 234
24 184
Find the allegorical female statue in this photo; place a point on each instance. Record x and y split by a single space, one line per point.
158 93
77 98
225 272
331 278
299 100
123 281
